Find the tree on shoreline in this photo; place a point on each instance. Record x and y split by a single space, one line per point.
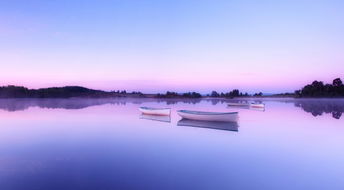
231 94
214 94
319 89
258 94
176 95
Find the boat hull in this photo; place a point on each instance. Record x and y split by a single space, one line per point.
257 105
239 104
209 116
155 111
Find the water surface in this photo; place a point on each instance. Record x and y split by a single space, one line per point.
107 144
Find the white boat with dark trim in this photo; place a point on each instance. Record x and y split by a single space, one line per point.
155 111
209 116
254 105
238 104
257 108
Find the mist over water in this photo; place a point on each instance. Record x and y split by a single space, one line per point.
107 144
314 106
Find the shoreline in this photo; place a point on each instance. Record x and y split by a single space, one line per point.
175 98
11 91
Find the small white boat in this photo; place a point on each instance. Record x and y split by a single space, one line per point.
209 116
253 105
238 104
155 111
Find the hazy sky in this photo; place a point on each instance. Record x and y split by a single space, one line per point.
153 46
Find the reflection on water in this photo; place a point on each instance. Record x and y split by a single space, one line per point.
103 144
319 107
316 107
23 104
257 109
162 118
227 126
215 101
176 101
80 103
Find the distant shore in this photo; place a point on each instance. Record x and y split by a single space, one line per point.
82 92
316 89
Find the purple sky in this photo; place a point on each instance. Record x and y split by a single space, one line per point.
154 46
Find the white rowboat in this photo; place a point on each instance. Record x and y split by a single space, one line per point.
253 105
209 116
238 104
257 105
155 111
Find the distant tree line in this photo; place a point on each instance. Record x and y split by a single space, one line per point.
319 89
169 94
77 91
214 94
55 92
316 89
119 92
61 92
232 94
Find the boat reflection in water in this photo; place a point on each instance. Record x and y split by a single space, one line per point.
257 109
220 125
162 118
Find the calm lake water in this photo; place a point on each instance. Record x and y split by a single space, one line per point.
105 144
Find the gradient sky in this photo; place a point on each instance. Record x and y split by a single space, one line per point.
154 46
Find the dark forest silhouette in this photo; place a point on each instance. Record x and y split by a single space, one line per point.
316 89
178 95
231 94
55 92
319 89
77 91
